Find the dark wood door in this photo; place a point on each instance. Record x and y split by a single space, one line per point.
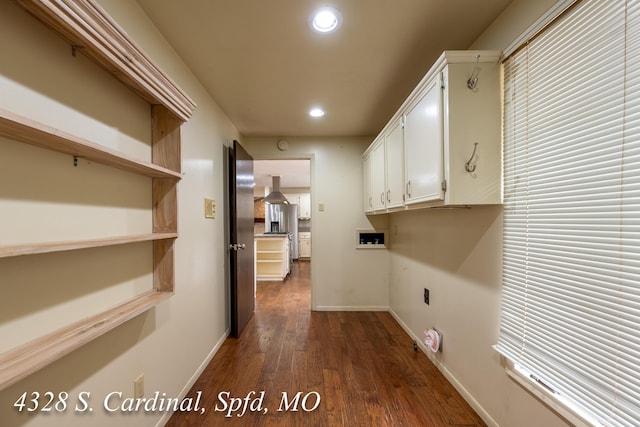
241 250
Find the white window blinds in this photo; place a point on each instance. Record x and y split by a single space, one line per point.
571 264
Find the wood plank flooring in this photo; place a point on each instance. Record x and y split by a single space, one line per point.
361 365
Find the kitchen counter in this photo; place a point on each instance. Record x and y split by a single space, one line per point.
271 235
272 256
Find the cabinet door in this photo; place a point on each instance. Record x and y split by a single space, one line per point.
368 184
305 206
305 248
424 147
394 141
379 188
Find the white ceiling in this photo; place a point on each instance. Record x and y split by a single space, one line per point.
265 68
293 173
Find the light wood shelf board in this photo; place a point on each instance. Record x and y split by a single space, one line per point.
48 247
90 30
34 133
18 363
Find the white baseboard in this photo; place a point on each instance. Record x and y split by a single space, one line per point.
162 421
448 375
350 308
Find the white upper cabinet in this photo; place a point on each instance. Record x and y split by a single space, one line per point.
384 171
443 146
368 182
303 200
378 184
304 206
424 146
394 156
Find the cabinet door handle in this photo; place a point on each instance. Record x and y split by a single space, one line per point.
370 201
382 198
408 188
389 196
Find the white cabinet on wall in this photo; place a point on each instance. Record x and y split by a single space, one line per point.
424 145
383 167
367 168
304 203
303 200
384 178
394 170
449 151
378 185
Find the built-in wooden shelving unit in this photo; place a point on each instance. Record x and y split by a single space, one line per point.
24 360
47 247
91 31
31 132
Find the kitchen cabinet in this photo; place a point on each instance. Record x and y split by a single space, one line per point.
303 200
367 179
272 257
304 203
443 146
383 170
378 184
394 164
424 146
305 244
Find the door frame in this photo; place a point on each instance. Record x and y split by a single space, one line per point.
312 180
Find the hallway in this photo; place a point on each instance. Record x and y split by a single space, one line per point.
361 365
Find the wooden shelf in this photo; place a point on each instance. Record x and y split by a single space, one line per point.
42 248
31 132
26 359
90 30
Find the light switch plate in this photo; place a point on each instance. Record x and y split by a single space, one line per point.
138 387
209 208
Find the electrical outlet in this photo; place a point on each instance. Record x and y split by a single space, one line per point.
426 296
138 387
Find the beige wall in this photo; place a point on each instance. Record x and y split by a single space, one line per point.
343 277
40 78
457 255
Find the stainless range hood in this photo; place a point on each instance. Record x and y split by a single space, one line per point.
276 197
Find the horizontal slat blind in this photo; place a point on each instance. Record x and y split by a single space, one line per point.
571 264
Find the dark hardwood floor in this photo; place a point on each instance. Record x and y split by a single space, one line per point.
361 365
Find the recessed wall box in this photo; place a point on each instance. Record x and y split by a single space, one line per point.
371 239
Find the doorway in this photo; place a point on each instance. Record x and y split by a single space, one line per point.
294 181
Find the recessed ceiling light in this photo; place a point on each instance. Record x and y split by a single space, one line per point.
316 112
326 19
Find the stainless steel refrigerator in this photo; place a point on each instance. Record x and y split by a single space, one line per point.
283 219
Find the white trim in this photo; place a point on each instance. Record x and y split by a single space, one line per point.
537 26
351 308
448 375
167 415
554 401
